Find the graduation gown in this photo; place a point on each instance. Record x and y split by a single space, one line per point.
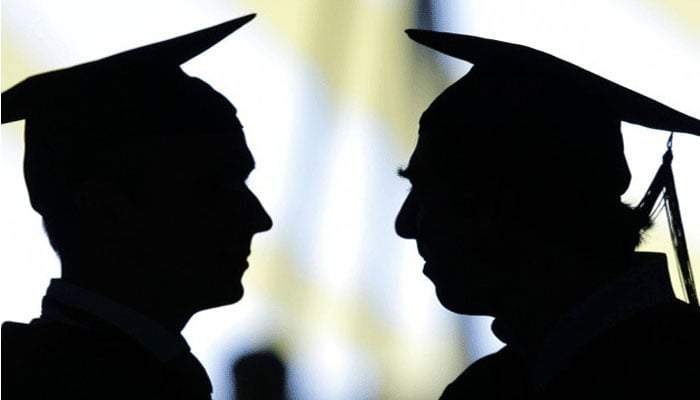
86 347
629 339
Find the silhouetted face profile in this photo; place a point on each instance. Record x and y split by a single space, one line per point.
517 176
486 205
199 215
445 222
165 192
139 171
462 222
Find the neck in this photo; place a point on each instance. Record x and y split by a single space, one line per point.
148 299
524 318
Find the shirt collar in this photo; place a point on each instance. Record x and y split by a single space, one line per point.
644 285
164 344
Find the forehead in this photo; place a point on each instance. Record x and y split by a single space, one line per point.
201 152
427 162
462 138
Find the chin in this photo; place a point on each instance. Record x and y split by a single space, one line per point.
462 300
234 294
450 301
465 287
222 296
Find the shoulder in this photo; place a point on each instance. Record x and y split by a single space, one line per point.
654 352
55 360
29 360
45 342
498 375
25 343
672 329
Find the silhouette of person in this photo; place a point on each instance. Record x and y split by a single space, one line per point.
138 171
515 208
260 375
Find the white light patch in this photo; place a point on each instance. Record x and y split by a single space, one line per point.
69 32
27 261
417 309
218 337
341 220
328 368
480 340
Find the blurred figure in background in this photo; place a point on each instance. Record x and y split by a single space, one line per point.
517 165
138 171
260 375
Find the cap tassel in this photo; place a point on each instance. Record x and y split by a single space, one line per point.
663 182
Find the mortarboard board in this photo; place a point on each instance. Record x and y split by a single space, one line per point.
74 115
528 86
628 105
45 91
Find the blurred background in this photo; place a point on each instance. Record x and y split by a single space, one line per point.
330 93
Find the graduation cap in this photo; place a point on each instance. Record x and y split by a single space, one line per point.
626 104
528 88
74 116
48 91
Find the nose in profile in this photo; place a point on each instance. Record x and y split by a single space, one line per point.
406 224
260 219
